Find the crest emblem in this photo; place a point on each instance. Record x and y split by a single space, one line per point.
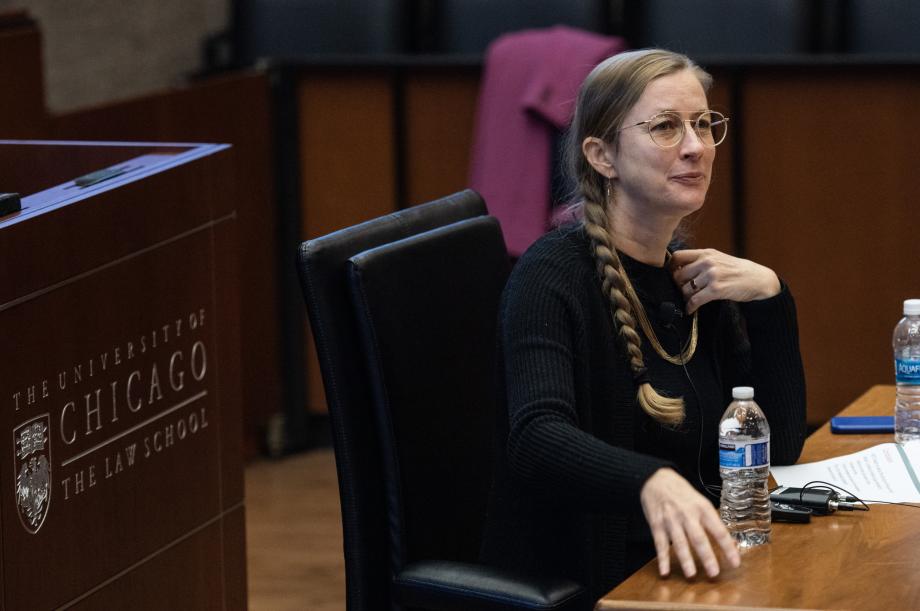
32 467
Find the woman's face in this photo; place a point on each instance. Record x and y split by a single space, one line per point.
649 179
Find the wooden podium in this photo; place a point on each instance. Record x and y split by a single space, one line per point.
119 379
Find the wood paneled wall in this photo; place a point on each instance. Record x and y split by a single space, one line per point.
347 149
439 112
830 169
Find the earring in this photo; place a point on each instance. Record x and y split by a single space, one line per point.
607 192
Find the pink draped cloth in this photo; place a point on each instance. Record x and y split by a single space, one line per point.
528 91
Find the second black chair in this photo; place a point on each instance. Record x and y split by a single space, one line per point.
427 307
412 447
322 264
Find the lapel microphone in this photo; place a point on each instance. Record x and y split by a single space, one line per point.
669 313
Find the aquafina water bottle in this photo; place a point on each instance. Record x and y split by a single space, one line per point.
744 463
906 344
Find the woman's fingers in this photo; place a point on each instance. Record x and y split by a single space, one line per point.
694 300
700 542
713 524
662 549
694 277
681 548
689 538
728 277
682 258
687 269
679 517
695 283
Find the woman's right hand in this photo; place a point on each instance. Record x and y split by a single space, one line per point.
678 515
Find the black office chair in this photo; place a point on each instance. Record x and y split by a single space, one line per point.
433 401
322 268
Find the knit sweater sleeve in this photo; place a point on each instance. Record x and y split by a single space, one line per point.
763 341
549 446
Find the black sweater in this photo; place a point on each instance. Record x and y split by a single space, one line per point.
575 448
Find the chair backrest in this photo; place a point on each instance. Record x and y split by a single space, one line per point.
428 309
322 267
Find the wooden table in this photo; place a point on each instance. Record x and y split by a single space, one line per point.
849 560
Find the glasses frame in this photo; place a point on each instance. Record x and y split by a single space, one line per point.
695 123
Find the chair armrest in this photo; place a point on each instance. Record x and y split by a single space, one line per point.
442 585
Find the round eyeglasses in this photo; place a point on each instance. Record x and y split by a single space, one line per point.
667 128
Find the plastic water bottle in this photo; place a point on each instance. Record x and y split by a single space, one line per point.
744 462
906 344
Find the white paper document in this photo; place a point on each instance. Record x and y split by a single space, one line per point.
886 472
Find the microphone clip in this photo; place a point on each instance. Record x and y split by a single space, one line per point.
668 313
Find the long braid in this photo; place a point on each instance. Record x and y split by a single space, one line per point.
667 410
604 100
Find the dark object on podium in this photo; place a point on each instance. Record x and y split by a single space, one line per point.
855 425
9 203
93 178
120 417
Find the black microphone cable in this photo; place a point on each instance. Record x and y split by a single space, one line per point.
667 312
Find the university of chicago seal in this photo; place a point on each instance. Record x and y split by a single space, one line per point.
32 456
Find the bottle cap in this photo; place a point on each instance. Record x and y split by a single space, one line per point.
911 307
743 392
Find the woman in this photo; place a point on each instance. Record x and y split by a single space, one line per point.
619 352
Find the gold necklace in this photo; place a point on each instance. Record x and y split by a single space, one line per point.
686 354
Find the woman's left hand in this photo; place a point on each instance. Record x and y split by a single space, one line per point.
706 275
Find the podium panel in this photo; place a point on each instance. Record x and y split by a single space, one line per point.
119 382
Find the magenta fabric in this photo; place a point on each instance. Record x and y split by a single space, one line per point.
527 95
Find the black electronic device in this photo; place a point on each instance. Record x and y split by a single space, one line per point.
782 512
668 313
93 178
821 501
9 203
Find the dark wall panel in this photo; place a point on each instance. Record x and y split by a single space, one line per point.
22 103
439 114
830 171
347 163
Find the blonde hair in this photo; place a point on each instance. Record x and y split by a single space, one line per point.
605 97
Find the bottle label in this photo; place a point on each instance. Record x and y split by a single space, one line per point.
907 371
744 454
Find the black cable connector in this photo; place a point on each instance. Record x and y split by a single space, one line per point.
821 501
